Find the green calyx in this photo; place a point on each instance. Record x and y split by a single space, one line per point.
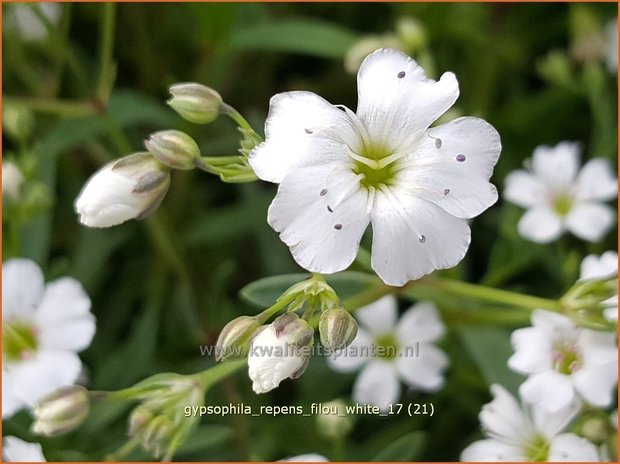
387 346
19 339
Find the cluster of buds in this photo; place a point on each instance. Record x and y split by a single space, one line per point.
589 302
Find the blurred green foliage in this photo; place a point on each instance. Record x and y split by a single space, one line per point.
163 287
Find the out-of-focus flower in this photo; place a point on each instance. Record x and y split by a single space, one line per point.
391 350
559 197
24 21
130 188
16 450
366 46
336 423
563 361
279 351
12 180
310 457
340 171
527 434
43 329
600 267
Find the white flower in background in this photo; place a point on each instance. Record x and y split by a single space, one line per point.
12 180
311 457
612 46
130 188
391 350
24 21
527 434
16 450
366 46
601 267
340 171
279 351
559 197
43 327
563 361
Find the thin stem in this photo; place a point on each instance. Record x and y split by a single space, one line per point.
214 374
106 50
123 451
236 116
56 106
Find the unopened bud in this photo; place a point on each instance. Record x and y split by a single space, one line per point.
234 339
173 148
17 122
411 33
12 181
337 328
195 102
334 423
296 330
61 412
596 426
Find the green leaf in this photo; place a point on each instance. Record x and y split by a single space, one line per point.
490 349
308 37
205 437
404 449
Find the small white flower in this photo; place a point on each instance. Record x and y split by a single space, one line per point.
279 351
310 457
340 171
12 180
563 361
16 450
130 188
391 351
559 198
43 327
600 267
527 434
23 20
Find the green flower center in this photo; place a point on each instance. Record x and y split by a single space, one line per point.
566 358
562 204
537 450
19 340
387 346
377 165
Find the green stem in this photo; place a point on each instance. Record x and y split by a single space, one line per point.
165 246
123 451
56 106
106 50
236 116
213 375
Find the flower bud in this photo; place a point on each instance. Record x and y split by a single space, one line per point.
130 188
411 33
17 122
588 301
335 424
234 339
173 148
337 328
62 411
279 351
195 102
12 181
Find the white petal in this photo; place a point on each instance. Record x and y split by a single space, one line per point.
595 267
380 316
22 287
311 457
301 128
492 451
413 237
598 347
590 221
420 323
503 417
321 215
532 351
64 319
45 373
570 447
549 390
523 189
16 450
456 175
596 181
596 383
424 372
556 166
354 356
11 403
377 384
540 224
396 99
551 322
549 424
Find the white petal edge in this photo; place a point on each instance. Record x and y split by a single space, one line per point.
540 225
377 384
22 287
569 447
590 221
379 317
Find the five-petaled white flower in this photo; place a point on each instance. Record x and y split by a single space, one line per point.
391 350
601 267
17 450
43 327
340 171
559 198
563 361
527 434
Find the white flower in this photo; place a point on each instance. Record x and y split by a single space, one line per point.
16 450
23 20
311 457
559 198
130 188
43 327
339 171
391 351
563 361
529 434
600 267
279 351
12 180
